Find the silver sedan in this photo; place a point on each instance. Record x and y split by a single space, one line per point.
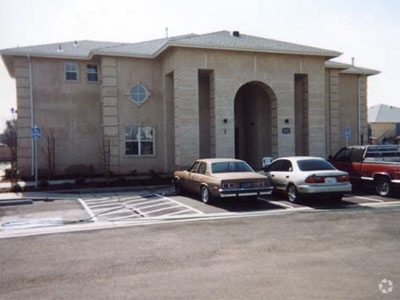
298 176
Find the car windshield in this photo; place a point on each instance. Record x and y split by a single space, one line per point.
230 166
314 165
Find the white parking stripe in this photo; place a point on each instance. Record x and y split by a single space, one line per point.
161 209
187 206
117 211
99 206
125 207
88 210
277 203
281 204
154 205
368 199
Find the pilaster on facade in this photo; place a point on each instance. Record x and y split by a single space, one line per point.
24 140
186 114
333 131
316 115
363 109
224 111
285 111
213 117
110 112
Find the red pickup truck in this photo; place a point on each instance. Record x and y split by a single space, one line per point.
377 164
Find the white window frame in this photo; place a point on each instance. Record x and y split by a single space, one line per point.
145 134
68 70
139 94
89 71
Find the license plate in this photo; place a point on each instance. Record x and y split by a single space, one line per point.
246 185
330 180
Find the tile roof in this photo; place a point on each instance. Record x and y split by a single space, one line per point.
224 40
350 68
383 113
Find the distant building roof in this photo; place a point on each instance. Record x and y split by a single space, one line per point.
383 114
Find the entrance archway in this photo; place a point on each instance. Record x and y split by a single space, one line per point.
255 120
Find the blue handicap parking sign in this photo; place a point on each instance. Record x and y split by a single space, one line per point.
36 133
347 131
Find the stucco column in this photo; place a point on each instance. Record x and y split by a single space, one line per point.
24 140
285 110
363 109
223 117
109 94
316 114
186 113
333 130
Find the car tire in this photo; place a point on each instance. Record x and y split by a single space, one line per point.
336 198
178 187
206 196
383 186
292 194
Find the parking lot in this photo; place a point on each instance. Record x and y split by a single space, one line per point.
164 203
42 209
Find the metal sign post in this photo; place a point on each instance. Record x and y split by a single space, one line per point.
35 138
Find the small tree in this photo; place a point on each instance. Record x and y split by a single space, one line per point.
9 138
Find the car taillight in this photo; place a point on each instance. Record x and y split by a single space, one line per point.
343 178
230 185
315 179
263 183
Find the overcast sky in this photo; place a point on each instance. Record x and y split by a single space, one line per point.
368 30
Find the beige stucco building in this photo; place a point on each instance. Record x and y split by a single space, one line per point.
158 105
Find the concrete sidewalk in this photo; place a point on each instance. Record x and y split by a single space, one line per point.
30 210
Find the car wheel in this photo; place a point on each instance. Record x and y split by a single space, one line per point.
383 186
292 194
178 187
206 196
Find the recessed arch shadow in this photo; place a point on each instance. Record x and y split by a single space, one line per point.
255 122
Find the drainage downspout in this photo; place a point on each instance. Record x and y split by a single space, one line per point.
32 115
359 109
358 104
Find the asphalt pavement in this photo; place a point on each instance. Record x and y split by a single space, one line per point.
333 254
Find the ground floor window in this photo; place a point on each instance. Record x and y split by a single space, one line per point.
139 140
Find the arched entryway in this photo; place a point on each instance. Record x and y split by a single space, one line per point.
255 121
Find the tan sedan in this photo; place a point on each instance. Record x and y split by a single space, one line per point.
221 177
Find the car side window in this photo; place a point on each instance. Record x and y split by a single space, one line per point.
193 168
287 166
274 166
357 154
282 165
343 155
202 168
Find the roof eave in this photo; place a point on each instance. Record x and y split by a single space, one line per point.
8 62
326 55
360 71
